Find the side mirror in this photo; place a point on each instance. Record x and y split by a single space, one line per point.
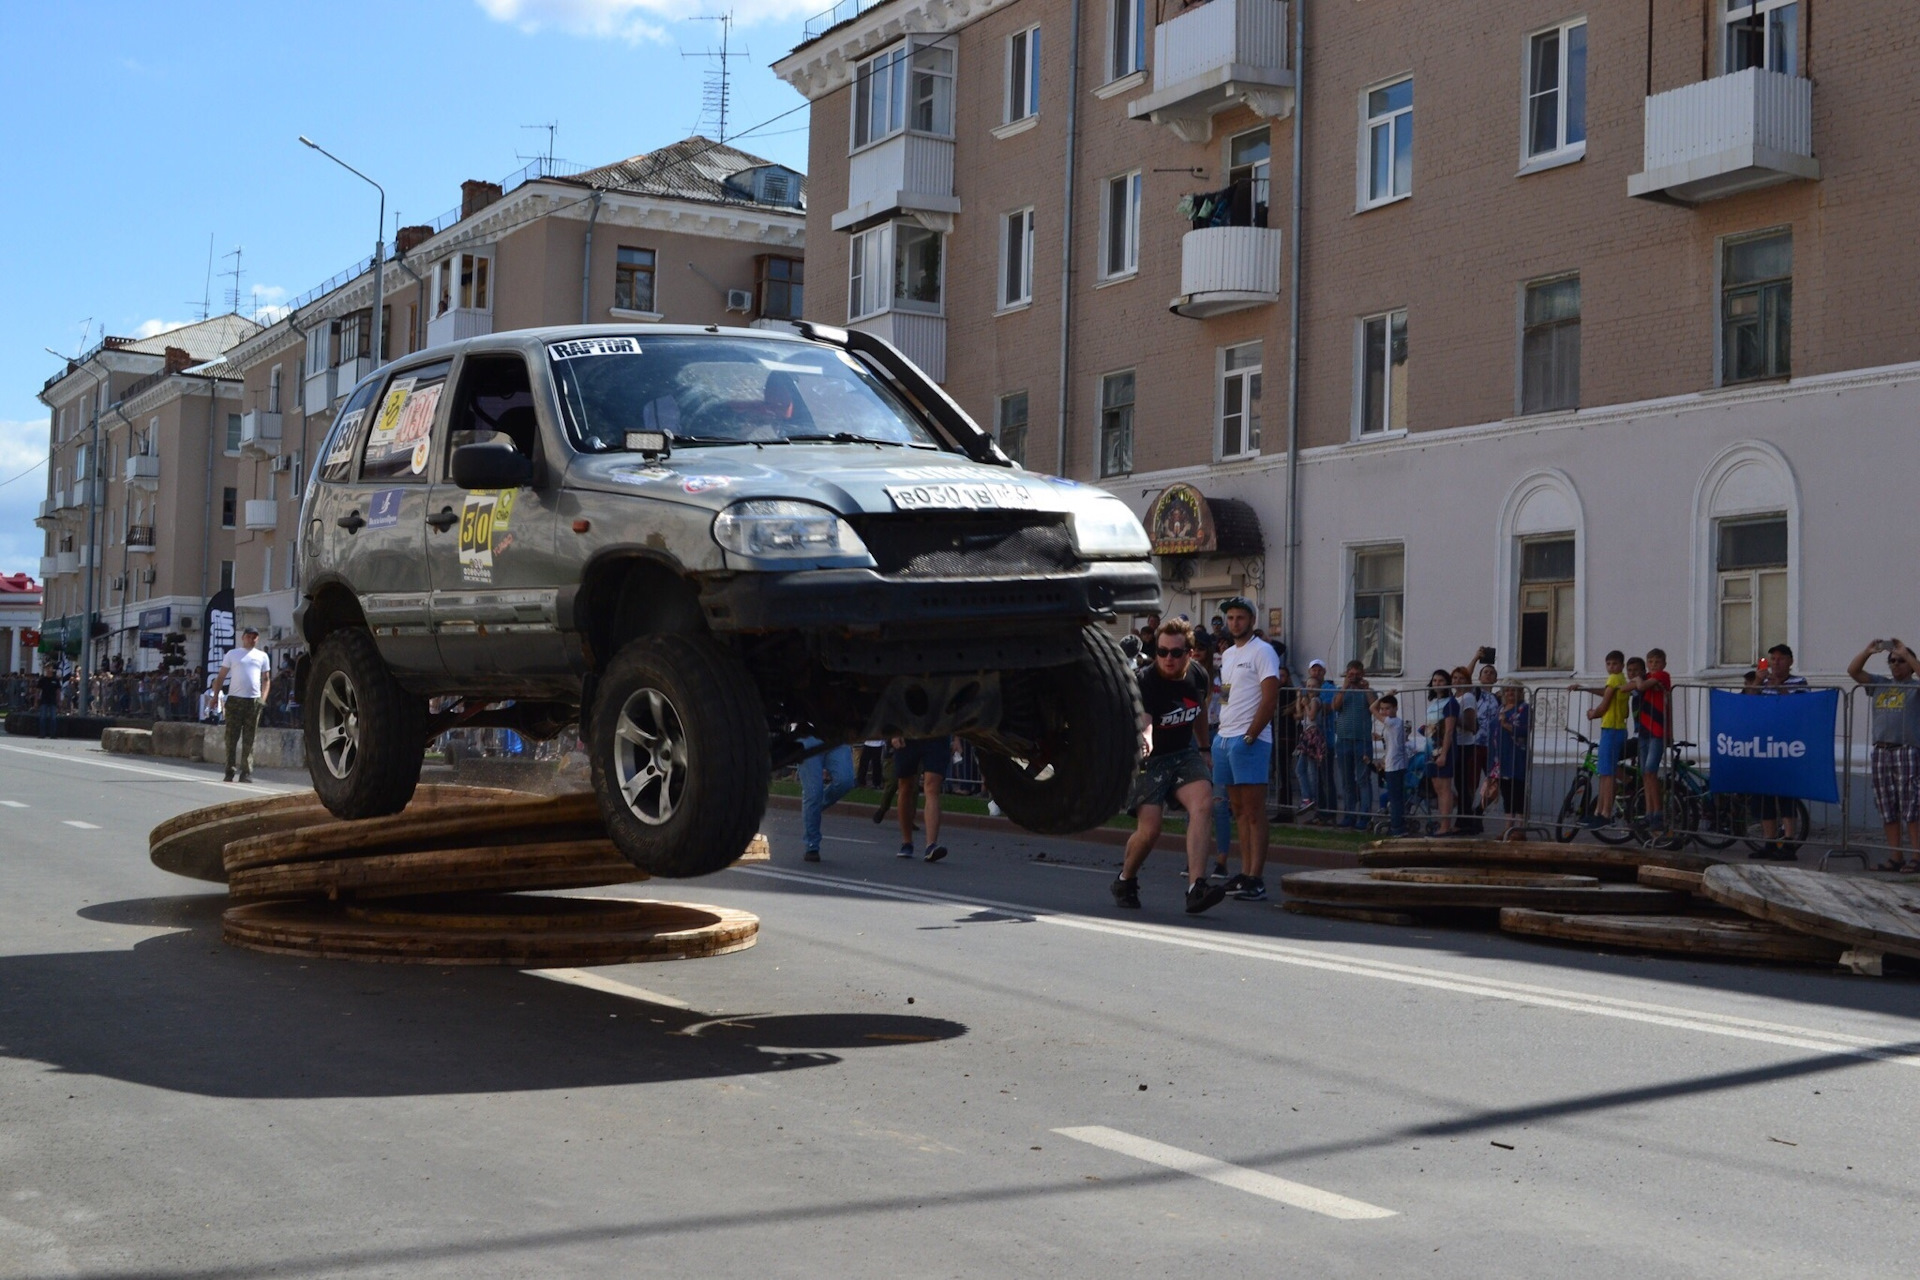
490 466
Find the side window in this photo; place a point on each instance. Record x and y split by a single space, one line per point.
343 441
400 441
494 406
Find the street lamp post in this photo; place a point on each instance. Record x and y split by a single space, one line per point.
379 248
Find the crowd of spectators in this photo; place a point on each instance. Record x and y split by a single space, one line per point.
117 694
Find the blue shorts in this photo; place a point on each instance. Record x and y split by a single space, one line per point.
1612 743
1237 763
1651 749
922 755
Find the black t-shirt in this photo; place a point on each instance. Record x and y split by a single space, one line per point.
1173 705
49 688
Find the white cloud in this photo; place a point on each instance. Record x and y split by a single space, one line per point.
149 328
22 446
632 20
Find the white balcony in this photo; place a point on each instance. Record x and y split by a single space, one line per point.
49 567
460 322
45 516
69 561
349 373
1218 55
260 433
1226 269
921 338
316 396
261 513
1726 135
908 173
86 558
143 470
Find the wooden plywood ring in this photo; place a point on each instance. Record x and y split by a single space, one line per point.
1860 911
1340 911
1670 878
1440 887
1731 937
565 864
1577 858
627 933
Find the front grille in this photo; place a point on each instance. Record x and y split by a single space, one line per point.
968 545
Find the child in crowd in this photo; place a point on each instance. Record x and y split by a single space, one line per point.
1511 741
1654 689
1390 750
1611 712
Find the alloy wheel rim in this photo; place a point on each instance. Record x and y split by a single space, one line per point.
339 724
650 756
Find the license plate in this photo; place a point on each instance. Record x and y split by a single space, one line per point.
931 497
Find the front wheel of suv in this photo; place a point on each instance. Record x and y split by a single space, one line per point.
1089 749
365 735
678 742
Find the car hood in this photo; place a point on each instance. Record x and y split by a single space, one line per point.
850 479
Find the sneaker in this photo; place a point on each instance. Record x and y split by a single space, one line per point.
1126 893
1594 821
935 852
811 855
246 777
228 777
1202 895
906 851
993 809
1233 883
1220 867
1252 889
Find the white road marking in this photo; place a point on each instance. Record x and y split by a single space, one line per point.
174 775
594 982
84 826
1068 866
1775 1033
12 804
850 840
1296 1194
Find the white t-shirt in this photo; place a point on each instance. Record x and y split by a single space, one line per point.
1242 668
243 670
1390 742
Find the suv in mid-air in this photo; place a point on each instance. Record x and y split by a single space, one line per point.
713 550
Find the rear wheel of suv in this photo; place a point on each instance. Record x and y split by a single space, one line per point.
679 751
365 735
1090 749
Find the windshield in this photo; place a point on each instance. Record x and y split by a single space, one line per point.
714 390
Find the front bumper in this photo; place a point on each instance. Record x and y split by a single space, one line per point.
864 600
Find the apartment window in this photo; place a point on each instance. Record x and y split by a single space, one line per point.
633 279
782 287
233 433
226 575
1383 373
1756 307
907 87
932 85
1023 74
1249 177
266 568
299 472
1128 42
1764 34
1016 259
273 389
1116 424
229 500
461 281
1012 420
1751 560
1550 346
1240 400
1379 608
1557 89
866 273
897 266
1120 226
1387 153
1546 603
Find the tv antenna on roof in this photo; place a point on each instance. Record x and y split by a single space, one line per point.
553 128
233 294
206 291
717 95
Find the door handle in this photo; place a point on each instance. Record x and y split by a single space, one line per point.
444 519
352 522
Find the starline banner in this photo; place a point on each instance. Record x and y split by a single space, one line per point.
1779 745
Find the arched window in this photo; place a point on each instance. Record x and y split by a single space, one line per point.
1746 557
1542 574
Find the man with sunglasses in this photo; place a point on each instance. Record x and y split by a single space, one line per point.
1174 690
1895 762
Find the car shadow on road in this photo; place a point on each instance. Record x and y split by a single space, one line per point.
184 1011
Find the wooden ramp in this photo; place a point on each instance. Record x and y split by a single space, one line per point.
1606 861
1864 912
1427 888
1730 937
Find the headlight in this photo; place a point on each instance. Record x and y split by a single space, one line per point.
776 529
1107 530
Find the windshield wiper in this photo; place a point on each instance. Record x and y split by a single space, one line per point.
843 437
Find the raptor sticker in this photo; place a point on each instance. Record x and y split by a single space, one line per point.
484 519
593 347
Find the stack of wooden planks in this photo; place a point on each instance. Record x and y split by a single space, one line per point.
437 883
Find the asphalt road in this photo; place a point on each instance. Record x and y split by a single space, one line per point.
965 1069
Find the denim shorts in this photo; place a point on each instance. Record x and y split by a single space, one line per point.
1161 777
1651 749
1612 743
1239 763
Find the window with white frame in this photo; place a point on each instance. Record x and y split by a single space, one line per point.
233 433
1120 225
1386 156
1011 420
266 567
273 389
1751 565
910 86
1016 259
867 285
1546 603
1127 42
1379 608
1550 346
1557 89
1762 33
1116 423
1756 307
931 105
1250 176
633 279
1383 373
1023 75
898 266
1240 400
462 281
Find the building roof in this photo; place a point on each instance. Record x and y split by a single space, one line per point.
18 584
694 168
203 340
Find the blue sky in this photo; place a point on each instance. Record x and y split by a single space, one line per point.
136 131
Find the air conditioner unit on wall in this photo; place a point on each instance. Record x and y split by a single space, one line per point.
119 582
283 463
147 576
740 300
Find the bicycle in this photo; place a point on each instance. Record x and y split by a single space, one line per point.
1628 813
1715 821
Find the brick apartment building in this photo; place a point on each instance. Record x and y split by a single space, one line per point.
1549 388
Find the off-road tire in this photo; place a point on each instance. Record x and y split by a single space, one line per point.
386 728
721 755
1092 713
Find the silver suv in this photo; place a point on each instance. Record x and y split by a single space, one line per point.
714 550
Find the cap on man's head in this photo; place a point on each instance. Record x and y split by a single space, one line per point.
249 631
1237 602
1785 651
1317 662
